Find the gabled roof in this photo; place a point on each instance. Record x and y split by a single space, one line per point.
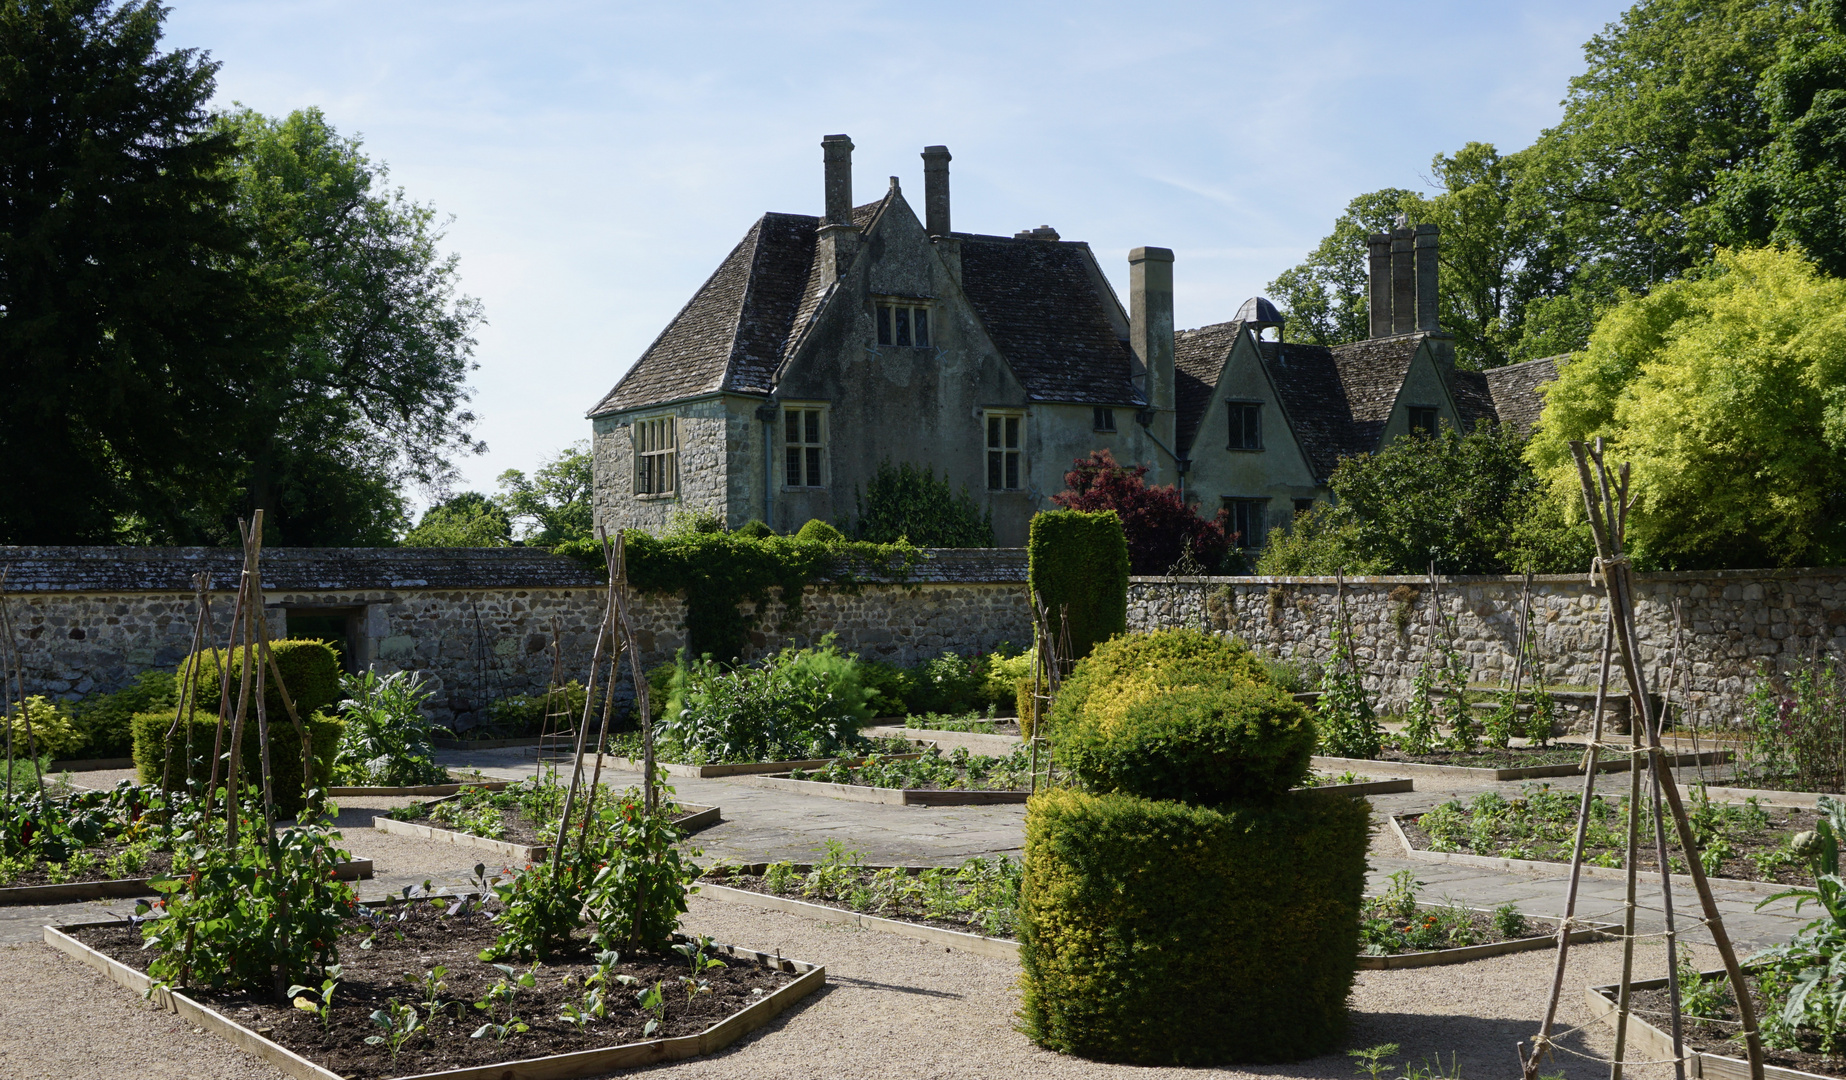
1373 371
1473 400
1514 389
1307 379
1042 309
738 327
1199 357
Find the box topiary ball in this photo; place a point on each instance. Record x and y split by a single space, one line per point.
1128 666
1211 744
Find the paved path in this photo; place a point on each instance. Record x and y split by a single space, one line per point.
762 825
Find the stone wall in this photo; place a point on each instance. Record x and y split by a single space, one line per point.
1729 625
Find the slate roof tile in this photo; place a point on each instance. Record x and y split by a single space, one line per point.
1514 389
1199 357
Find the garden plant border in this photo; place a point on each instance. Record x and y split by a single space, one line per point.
1655 1044
1464 953
746 768
1534 772
356 870
699 817
980 945
425 789
552 1067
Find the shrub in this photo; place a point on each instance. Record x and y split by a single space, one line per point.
386 741
753 529
801 703
150 731
310 671
817 531
1124 669
1158 525
945 684
104 718
1079 566
1165 934
53 731
519 715
905 502
887 687
1208 745
1000 681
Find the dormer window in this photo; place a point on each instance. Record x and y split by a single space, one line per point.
1246 424
905 325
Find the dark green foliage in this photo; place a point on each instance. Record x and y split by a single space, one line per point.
719 571
945 684
1186 657
151 756
817 531
553 506
1160 933
1079 568
905 502
104 718
123 331
310 672
799 703
1208 745
470 519
754 529
887 687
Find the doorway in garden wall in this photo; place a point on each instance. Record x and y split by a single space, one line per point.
341 627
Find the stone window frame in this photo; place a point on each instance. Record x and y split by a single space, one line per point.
804 457
1003 437
1254 510
1244 423
1104 419
1425 418
903 322
654 441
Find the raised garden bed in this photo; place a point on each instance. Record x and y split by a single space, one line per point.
103 888
1749 846
975 742
458 781
1709 1047
1397 931
746 768
92 764
1557 760
887 795
746 994
526 842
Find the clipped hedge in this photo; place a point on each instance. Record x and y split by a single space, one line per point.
1130 667
324 731
1078 565
1209 745
1159 933
310 671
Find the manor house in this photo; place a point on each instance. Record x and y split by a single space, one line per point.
821 347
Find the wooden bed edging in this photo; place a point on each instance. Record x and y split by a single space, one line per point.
552 1067
1465 953
1648 1043
748 768
1533 866
1000 948
1532 772
698 817
426 789
355 870
1368 787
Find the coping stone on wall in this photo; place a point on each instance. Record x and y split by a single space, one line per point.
154 569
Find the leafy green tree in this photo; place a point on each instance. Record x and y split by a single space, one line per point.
907 502
1794 191
1323 300
1318 542
1727 394
124 321
371 342
466 520
553 506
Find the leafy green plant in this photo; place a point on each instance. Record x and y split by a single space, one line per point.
1699 996
432 986
322 1008
1508 922
1421 726
1348 725
1371 1060
779 877
386 741
400 1024
637 892
801 703
654 1002
1078 567
539 910
907 502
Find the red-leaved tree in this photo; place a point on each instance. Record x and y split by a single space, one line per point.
1158 524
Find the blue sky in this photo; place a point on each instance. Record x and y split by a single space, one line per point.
601 158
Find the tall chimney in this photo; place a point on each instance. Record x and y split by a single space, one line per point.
836 151
1378 283
936 190
1150 326
1403 281
1426 236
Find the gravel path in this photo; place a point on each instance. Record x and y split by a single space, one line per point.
893 1008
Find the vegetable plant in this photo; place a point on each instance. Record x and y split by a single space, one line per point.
324 1008
400 1023
386 741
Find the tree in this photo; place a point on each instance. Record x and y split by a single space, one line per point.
907 502
1727 394
124 321
466 520
1158 525
370 341
554 506
1323 300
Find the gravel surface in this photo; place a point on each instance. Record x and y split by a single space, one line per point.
893 1008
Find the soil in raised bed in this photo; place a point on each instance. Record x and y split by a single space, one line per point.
1713 1035
38 873
935 771
429 938
1541 826
979 897
515 826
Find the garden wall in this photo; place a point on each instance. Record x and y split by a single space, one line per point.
478 622
1733 622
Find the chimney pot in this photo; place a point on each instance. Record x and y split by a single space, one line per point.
836 155
936 190
1403 282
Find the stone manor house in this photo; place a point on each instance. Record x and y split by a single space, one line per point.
821 347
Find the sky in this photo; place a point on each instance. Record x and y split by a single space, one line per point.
600 159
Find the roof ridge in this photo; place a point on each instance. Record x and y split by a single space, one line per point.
1552 360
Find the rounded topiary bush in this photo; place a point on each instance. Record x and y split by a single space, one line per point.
820 532
754 529
310 671
1129 667
1160 933
1216 743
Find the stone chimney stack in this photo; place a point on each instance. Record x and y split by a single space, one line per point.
839 240
936 190
836 150
1378 282
1426 237
1403 281
1150 328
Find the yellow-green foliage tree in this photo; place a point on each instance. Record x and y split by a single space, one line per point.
1727 394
